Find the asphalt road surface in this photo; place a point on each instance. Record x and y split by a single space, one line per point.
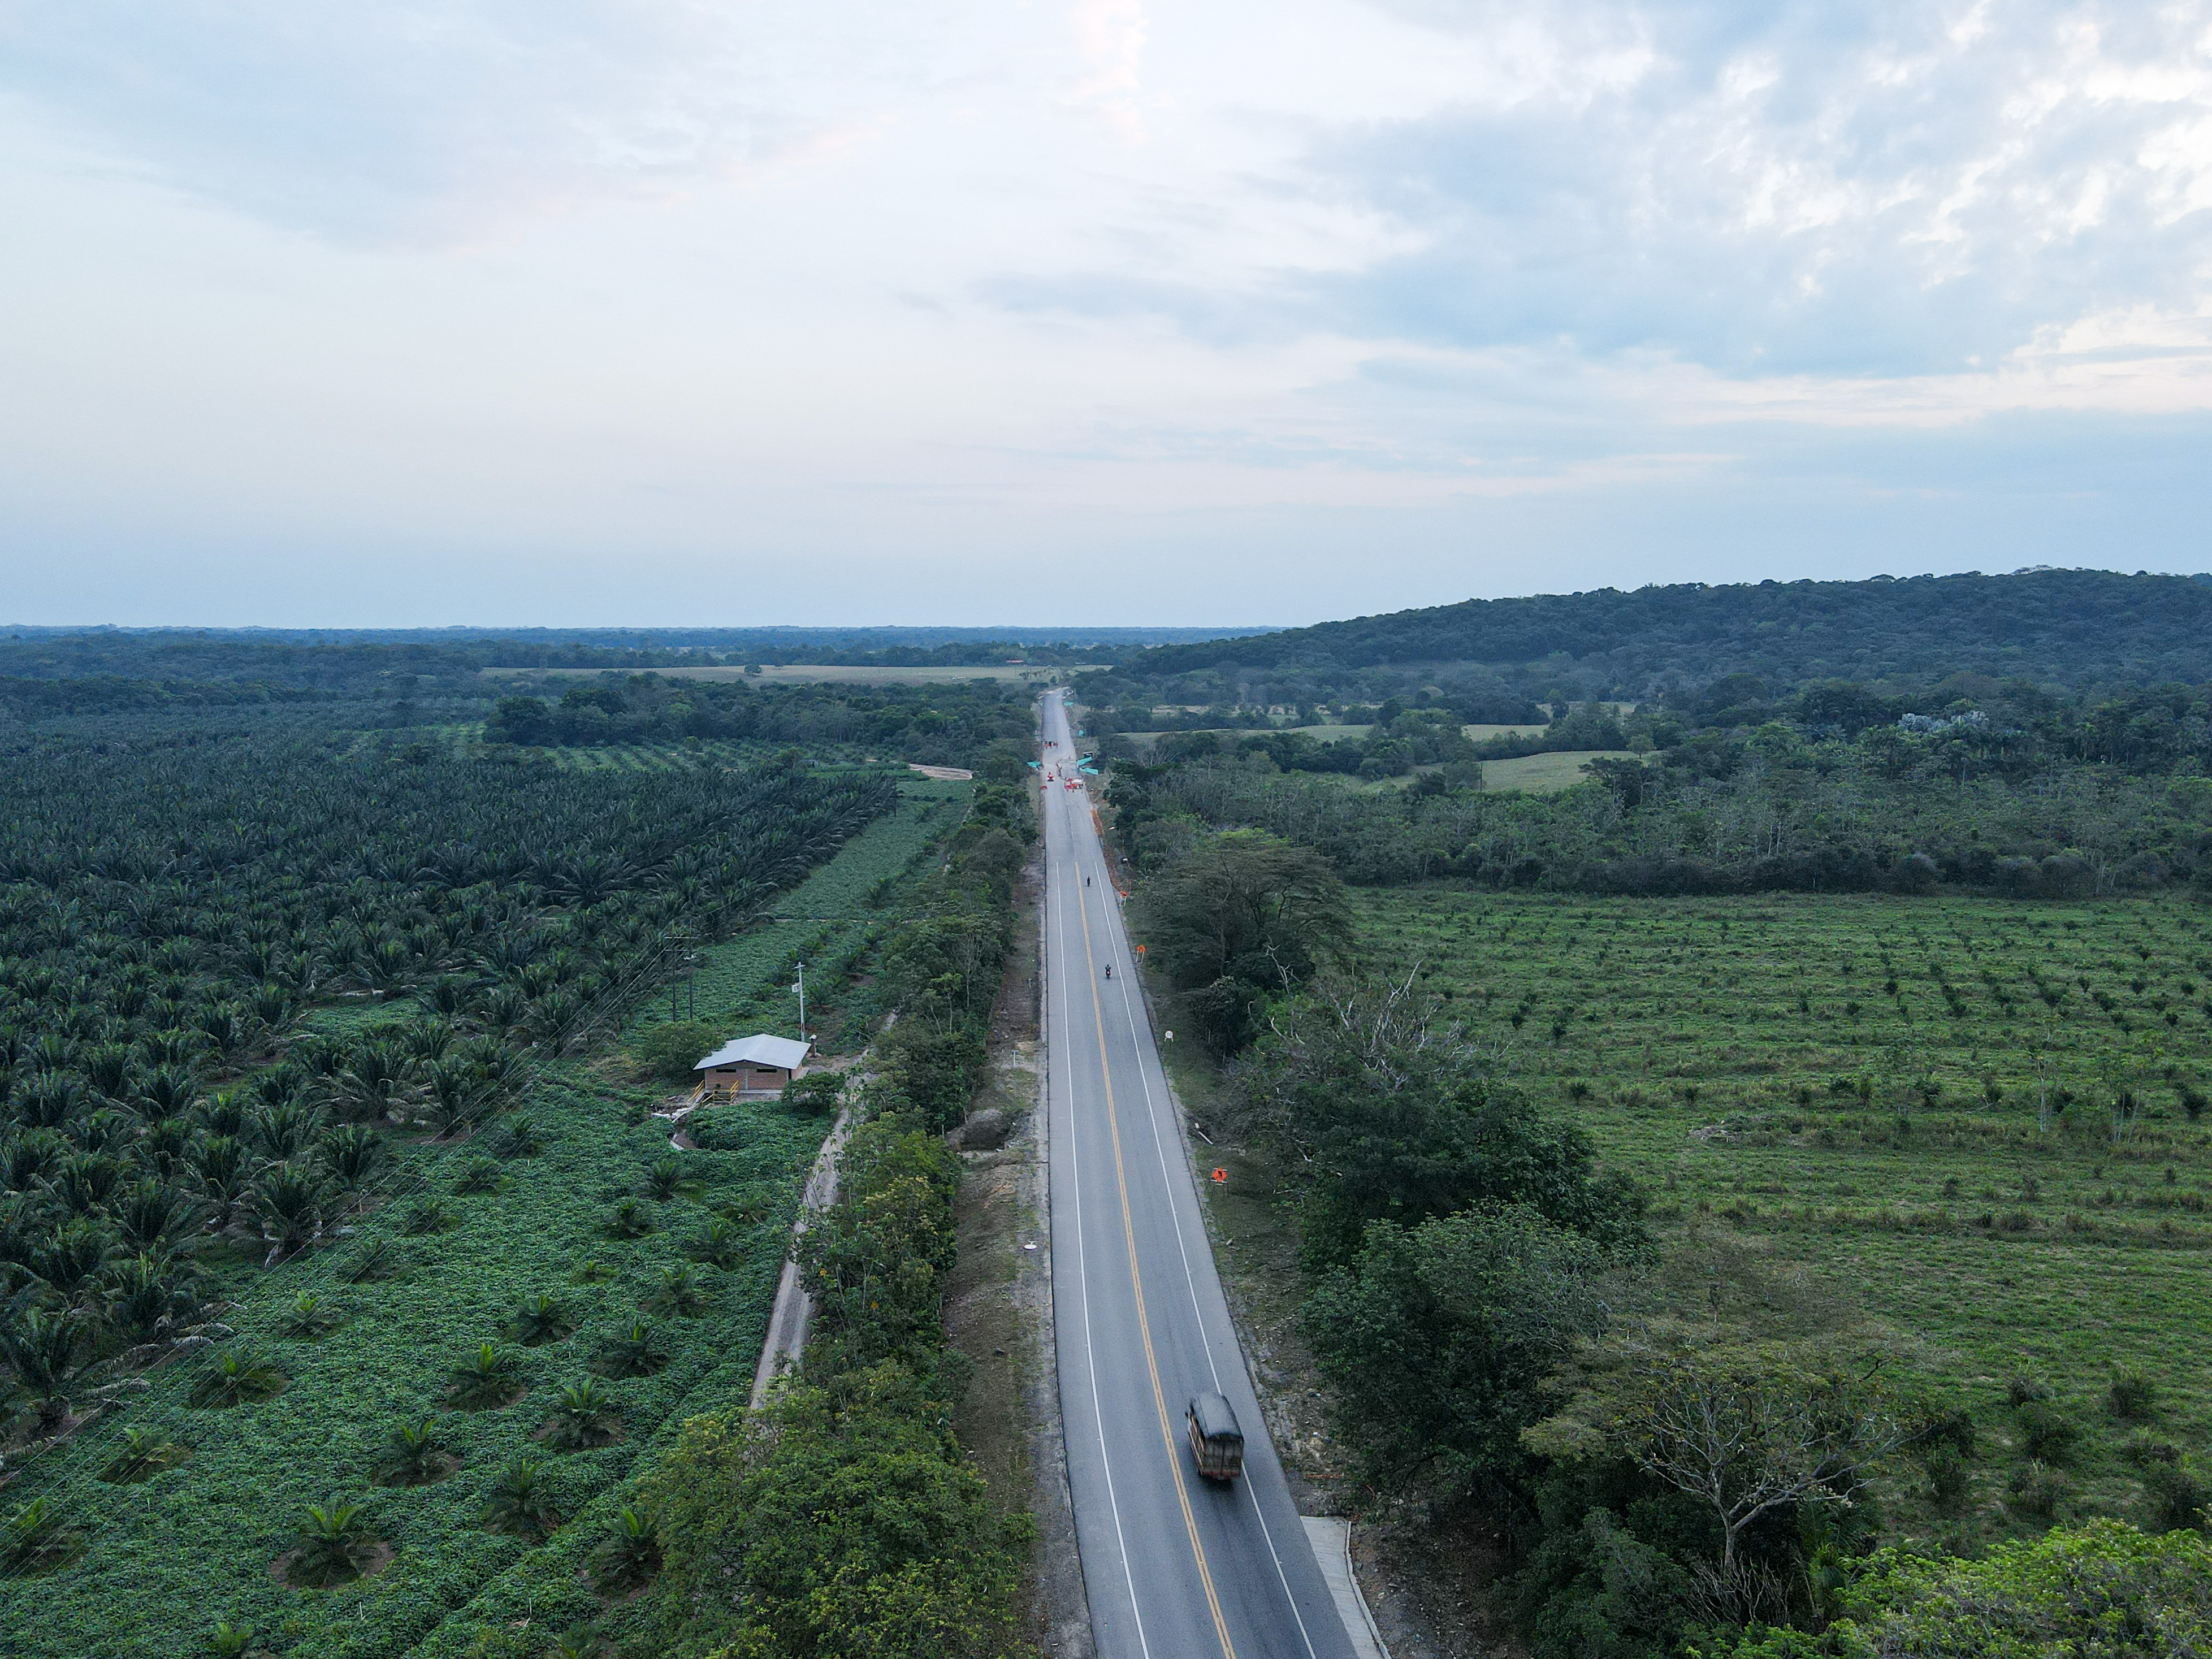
1176 1567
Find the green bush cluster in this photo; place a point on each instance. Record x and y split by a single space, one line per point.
846 1519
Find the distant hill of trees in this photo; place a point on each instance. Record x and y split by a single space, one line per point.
2072 628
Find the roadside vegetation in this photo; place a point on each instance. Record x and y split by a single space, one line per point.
1780 1271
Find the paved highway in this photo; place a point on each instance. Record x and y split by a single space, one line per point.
1175 1567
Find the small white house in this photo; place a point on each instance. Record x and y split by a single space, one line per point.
753 1064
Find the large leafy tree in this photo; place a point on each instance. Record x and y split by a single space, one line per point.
1241 916
1437 1341
1390 1114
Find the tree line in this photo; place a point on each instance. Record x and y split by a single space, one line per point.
945 723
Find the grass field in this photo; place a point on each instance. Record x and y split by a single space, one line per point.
1542 775
1862 1085
831 922
166 1558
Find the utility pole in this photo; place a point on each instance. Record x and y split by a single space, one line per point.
801 989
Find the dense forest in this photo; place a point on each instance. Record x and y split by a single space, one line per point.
2067 628
2018 792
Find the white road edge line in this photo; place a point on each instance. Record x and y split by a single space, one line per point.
1082 1273
1190 1282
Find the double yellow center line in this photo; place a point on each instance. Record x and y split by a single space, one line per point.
1137 1284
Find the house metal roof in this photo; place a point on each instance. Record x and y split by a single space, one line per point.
783 1053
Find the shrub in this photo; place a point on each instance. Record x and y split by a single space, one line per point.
849 1507
2047 1433
671 1051
2037 1489
1947 1479
2023 1389
628 1556
488 1378
336 1546
414 1455
819 1094
2132 1397
2177 1498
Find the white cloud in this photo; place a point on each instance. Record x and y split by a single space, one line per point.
795 294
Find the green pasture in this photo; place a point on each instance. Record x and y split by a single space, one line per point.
1860 1084
1542 775
830 920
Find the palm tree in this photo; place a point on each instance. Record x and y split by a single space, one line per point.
289 1205
36 1539
455 1095
584 1415
237 1378
71 1255
350 1154
628 1555
427 1215
284 1129
153 1215
633 1351
539 1321
154 1298
46 1353
664 1178
375 1080
142 1455
336 1546
718 1243
519 1502
414 1455
488 1378
679 1293
308 1319
375 1259
222 1172
628 1219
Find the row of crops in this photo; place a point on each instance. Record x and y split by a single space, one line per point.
187 919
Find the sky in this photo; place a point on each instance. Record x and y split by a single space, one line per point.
638 312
